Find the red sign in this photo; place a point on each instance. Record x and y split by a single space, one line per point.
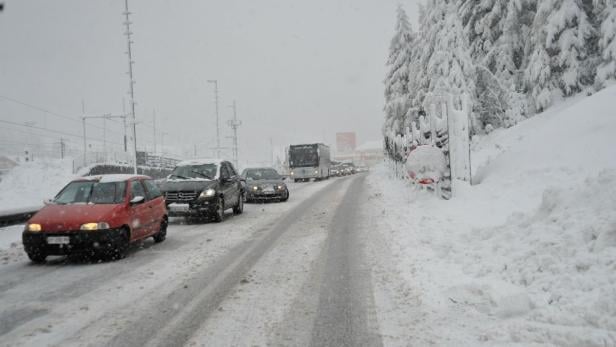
345 143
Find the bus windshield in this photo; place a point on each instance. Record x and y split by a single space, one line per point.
303 156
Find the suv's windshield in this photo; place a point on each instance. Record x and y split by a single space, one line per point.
202 171
91 192
261 174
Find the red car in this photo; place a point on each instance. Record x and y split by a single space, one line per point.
97 215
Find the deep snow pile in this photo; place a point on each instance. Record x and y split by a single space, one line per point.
28 184
528 254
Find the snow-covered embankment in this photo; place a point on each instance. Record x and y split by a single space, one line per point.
527 254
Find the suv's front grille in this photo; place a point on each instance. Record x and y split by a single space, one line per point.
180 196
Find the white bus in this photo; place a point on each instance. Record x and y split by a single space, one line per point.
309 161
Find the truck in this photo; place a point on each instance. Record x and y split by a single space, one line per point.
309 161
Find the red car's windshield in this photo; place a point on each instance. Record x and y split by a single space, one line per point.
92 192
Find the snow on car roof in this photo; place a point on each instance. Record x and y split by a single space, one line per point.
111 177
216 161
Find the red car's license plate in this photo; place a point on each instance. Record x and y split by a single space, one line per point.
58 240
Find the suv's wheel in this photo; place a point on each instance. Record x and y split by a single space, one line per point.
239 208
219 216
38 257
161 235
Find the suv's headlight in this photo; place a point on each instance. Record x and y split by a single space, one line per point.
34 227
255 187
94 226
208 193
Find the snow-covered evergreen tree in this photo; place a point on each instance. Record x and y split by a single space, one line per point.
607 43
508 58
397 100
559 42
568 31
450 67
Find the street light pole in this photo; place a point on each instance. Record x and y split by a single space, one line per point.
215 82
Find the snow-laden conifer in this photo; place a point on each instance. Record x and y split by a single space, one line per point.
607 44
397 79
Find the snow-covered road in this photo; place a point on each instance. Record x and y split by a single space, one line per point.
280 274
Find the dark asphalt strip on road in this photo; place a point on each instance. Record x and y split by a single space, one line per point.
174 321
346 313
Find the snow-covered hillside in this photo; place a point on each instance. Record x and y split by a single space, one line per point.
525 256
28 184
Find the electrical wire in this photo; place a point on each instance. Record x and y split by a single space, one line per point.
59 132
41 109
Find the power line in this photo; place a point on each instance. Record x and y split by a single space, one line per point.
52 131
41 109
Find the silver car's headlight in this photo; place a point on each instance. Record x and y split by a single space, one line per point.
208 193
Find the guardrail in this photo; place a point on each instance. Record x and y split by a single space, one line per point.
17 216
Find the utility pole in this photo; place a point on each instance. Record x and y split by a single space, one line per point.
62 148
105 138
215 82
124 120
234 123
85 145
154 124
104 117
131 82
272 150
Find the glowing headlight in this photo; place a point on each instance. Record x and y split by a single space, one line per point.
292 173
255 188
208 193
94 226
316 172
34 227
280 187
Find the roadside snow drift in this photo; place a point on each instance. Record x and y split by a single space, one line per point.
527 255
28 184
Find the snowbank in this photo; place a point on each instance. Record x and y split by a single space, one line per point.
426 162
527 255
28 184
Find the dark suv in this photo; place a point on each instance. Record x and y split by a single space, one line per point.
203 188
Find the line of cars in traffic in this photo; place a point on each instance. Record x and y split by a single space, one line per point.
102 215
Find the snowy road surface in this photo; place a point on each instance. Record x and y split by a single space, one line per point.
280 274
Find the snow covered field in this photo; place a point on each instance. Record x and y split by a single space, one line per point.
28 184
525 256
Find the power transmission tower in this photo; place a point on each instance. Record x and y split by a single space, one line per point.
234 123
215 82
131 83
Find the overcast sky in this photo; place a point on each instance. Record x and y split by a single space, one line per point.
300 70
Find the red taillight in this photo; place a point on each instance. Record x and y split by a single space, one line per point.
426 181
